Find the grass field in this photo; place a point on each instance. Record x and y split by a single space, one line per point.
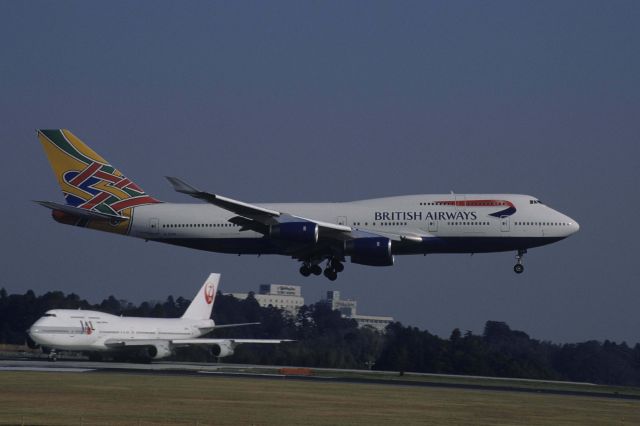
98 398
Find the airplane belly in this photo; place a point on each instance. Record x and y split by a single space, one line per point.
466 244
226 245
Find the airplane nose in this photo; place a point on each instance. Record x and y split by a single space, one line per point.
574 226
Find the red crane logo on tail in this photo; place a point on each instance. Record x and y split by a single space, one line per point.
208 293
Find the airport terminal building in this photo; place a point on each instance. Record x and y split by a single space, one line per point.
348 309
289 298
282 296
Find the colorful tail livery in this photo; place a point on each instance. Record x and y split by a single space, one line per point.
96 194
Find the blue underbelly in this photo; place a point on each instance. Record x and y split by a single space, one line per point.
428 245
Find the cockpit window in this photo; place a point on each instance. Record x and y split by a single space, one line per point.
535 202
50 315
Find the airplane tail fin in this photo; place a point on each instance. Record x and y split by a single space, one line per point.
87 180
202 304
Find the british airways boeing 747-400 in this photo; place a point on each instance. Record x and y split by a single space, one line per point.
370 232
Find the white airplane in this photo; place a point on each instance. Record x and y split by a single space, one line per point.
95 332
371 231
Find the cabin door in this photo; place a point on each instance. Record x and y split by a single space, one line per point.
154 224
504 224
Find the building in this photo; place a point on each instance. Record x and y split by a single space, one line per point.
282 296
348 309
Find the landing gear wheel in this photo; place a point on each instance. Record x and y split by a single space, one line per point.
316 270
305 271
519 267
331 274
338 266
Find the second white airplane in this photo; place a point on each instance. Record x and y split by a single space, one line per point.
97 333
370 232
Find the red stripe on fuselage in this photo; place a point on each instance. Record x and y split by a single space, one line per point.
476 203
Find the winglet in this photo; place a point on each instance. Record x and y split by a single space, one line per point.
234 206
181 186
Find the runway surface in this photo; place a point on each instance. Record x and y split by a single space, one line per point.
320 375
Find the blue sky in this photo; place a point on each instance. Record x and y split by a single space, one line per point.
333 101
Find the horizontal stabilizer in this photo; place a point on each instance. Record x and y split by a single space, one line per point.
83 213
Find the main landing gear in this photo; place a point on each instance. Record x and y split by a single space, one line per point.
307 269
519 267
331 271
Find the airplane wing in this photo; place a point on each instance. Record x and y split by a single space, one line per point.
120 343
241 324
196 341
259 214
331 237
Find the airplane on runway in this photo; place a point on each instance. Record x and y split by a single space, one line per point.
134 338
371 232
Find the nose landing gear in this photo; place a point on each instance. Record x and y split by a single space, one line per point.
519 267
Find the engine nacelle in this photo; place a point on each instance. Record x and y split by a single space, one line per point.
158 351
374 251
223 349
31 343
299 232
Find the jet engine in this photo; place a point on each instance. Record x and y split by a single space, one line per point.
374 251
31 343
222 349
299 232
158 350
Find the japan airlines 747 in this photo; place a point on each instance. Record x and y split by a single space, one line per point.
370 231
96 333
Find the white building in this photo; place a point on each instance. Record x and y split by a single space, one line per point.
348 309
283 296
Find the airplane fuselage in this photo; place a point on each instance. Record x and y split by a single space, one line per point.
451 223
85 330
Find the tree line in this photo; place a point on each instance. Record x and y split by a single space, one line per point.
325 339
